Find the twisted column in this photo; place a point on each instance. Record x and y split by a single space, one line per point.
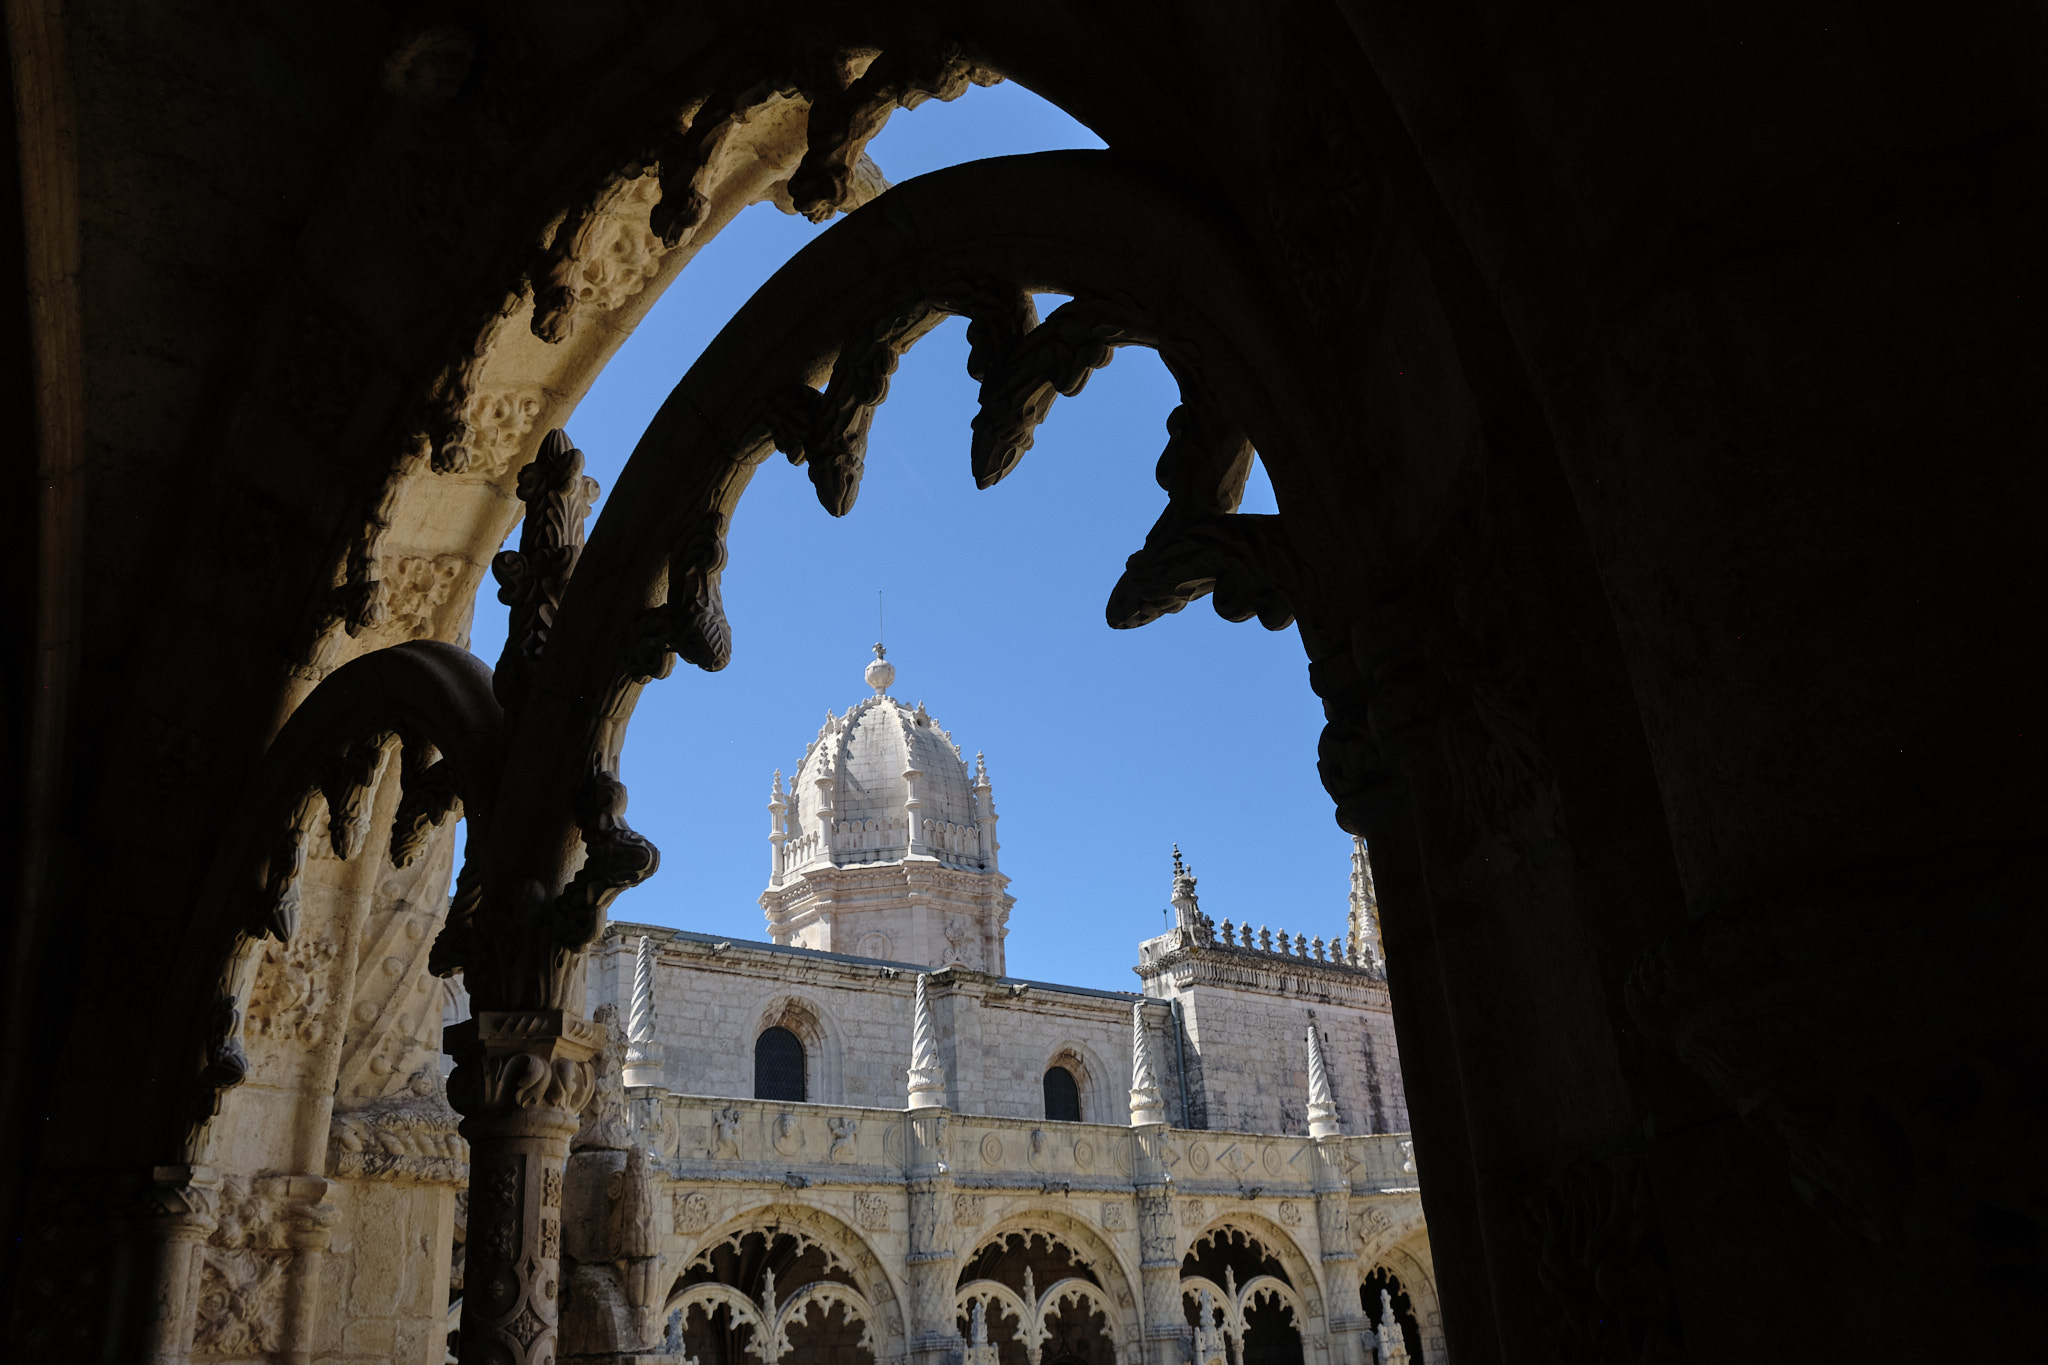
643 1053
521 1078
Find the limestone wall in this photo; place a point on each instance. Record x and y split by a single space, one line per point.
996 1036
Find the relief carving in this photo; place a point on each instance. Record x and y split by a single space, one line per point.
289 1002
692 1213
725 1134
871 1211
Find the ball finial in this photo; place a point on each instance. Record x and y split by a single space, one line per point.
881 672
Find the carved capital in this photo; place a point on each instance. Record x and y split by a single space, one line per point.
184 1200
515 1063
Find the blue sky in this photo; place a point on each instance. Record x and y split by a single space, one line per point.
1105 747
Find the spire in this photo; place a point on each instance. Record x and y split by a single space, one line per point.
1187 911
927 1080
1146 1104
1364 933
643 1053
881 672
1322 1105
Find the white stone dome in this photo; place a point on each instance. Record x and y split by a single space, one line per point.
866 767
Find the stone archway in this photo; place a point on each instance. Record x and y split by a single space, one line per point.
1250 1295
1092 1079
1042 1287
783 1282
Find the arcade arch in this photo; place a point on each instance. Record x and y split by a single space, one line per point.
1033 1292
1249 1294
783 1283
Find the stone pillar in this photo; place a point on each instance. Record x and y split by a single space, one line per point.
913 813
778 830
1351 1336
521 1078
181 1204
932 1263
1159 1254
310 1229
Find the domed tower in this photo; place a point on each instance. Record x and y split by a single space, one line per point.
884 843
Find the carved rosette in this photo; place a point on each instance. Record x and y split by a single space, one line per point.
521 1078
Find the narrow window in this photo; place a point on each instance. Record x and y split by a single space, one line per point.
1062 1096
778 1065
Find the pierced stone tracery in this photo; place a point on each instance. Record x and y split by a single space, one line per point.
770 1295
1008 1319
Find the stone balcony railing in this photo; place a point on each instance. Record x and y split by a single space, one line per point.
713 1139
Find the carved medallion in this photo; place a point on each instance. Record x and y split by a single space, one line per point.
991 1150
1084 1153
1198 1157
692 1213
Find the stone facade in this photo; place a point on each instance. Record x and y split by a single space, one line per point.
1237 1178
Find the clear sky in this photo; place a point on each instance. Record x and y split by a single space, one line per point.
1104 747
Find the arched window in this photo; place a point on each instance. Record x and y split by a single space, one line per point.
1062 1096
778 1065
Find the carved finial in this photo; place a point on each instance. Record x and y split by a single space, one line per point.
1187 909
927 1080
1322 1105
1392 1350
881 672
1364 927
775 791
643 1053
1301 945
641 1029
1317 945
1147 1106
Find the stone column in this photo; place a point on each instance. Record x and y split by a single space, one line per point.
932 1263
1159 1256
181 1203
521 1078
1351 1335
310 1230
